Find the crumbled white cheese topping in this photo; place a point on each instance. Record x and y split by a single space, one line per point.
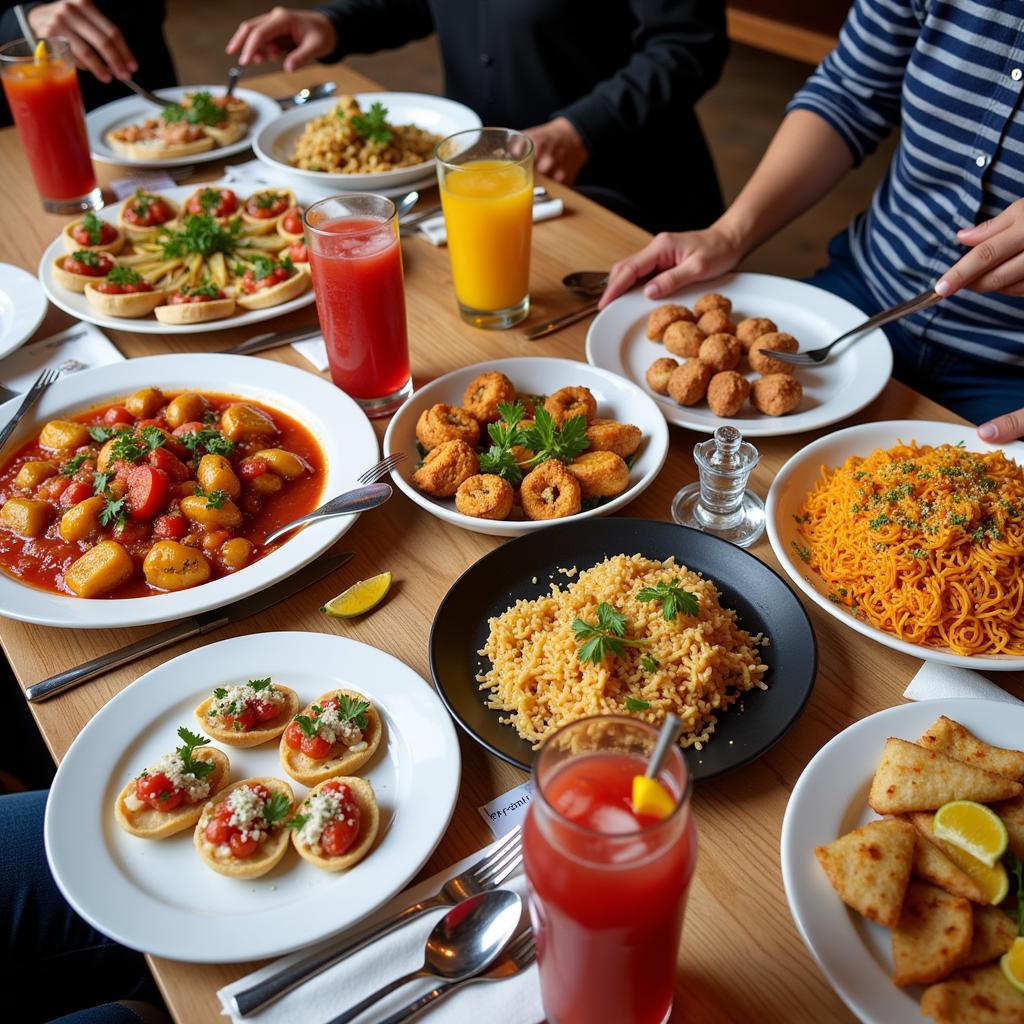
133 803
247 808
174 768
331 728
318 810
239 696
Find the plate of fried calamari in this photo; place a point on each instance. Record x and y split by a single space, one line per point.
902 851
509 446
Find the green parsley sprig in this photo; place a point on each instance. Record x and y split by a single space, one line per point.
547 440
673 598
214 499
190 744
93 228
372 125
606 636
200 233
73 465
276 808
505 434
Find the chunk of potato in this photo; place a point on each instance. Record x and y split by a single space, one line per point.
199 510
32 474
185 408
235 553
286 464
106 456
82 519
266 483
100 570
61 435
144 402
241 422
215 474
173 566
26 517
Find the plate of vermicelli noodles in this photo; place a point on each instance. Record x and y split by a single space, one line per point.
912 533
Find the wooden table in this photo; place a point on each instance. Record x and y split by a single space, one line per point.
741 957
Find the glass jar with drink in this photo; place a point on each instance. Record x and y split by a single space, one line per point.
607 881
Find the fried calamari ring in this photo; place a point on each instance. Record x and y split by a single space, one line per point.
658 374
601 474
611 436
485 496
445 467
484 393
550 492
442 423
568 402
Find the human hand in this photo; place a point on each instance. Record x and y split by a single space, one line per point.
558 150
996 260
302 35
1003 428
96 43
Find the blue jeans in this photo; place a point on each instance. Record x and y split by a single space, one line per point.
976 389
50 955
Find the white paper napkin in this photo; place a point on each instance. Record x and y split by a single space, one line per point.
513 1001
313 350
83 343
935 681
433 228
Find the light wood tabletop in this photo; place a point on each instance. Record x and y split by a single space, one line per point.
741 958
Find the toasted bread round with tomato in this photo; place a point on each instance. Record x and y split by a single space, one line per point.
271 849
226 132
115 245
342 760
369 823
254 737
195 312
147 823
277 293
138 230
157 150
131 304
66 279
264 225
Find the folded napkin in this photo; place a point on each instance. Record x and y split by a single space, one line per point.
80 347
433 231
151 181
513 1001
935 680
251 172
313 350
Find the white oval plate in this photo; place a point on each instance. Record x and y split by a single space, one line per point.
22 307
343 432
156 895
829 800
617 341
275 144
617 399
78 305
793 482
134 109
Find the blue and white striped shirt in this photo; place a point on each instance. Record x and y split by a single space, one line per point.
950 74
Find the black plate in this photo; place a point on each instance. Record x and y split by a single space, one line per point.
764 601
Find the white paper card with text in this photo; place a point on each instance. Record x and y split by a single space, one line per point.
503 813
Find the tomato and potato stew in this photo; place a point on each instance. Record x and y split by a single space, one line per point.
159 492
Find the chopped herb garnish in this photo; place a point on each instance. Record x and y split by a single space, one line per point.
879 521
86 257
123 275
372 125
606 636
674 599
102 434
214 499
632 704
802 551
190 743
276 808
505 435
201 110
199 233
93 228
649 663
99 483
73 465
262 266
306 725
353 710
549 441
209 441
113 513
266 200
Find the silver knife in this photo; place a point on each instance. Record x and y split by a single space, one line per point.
552 326
195 626
275 339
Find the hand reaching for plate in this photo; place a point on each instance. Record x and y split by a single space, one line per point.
96 43
301 35
560 152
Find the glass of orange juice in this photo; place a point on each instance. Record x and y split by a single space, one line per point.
486 181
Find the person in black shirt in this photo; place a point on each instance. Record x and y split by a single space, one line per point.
606 91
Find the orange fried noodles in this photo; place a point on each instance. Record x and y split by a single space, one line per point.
925 543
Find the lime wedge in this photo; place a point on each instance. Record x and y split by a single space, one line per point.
359 598
1012 965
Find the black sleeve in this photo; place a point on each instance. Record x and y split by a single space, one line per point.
9 27
365 26
680 47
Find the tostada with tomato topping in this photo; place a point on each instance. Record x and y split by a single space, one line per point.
195 304
92 232
289 224
219 203
83 266
297 252
336 824
242 831
335 735
144 212
263 209
268 282
248 714
123 292
168 796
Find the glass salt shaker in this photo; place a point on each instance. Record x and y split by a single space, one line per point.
720 504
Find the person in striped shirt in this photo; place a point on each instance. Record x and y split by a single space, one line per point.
950 75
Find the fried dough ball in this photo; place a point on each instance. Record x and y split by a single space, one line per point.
683 338
689 382
485 496
485 392
776 341
550 492
610 436
661 317
445 467
727 392
568 402
442 423
716 321
601 474
713 300
749 330
658 374
775 394
720 352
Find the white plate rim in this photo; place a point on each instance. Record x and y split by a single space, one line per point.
394 680
849 440
29 305
305 396
852 970
654 454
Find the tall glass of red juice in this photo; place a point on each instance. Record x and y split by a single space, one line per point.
607 886
356 261
46 104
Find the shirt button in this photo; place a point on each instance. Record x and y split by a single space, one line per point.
1016 74
486 59
981 161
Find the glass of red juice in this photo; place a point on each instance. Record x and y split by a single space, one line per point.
46 104
607 886
355 258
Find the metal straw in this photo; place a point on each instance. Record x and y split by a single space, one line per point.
26 28
670 731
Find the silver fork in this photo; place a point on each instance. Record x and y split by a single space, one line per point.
486 874
819 355
382 468
519 955
41 383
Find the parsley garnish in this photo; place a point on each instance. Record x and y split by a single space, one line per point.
127 447
93 228
113 512
214 499
207 289
672 597
505 435
306 725
372 125
202 234
141 202
353 710
649 663
99 483
209 199
266 200
802 551
297 822
102 434
208 440
190 743
201 110
607 636
259 684
632 704
262 266
153 438
86 257
123 275
276 808
549 441
72 466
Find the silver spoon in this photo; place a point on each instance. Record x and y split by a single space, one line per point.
587 284
465 941
307 95
406 203
362 499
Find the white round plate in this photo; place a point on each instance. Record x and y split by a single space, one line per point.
617 399
829 800
156 895
275 144
796 478
343 432
617 341
22 307
78 305
134 109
